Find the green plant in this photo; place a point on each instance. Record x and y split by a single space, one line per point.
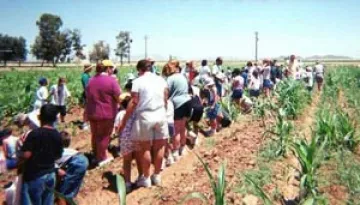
257 190
218 186
282 130
121 188
308 155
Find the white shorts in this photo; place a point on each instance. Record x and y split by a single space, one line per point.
150 125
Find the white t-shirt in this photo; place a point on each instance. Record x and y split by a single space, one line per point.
319 68
170 112
59 94
239 80
41 96
204 70
150 89
216 69
67 154
266 72
254 83
309 76
119 117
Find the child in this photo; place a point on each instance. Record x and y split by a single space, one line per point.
59 95
9 143
127 145
170 120
237 86
196 114
254 85
214 110
40 150
42 94
72 167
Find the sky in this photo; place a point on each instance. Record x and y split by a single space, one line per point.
197 29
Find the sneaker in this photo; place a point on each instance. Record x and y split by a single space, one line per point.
156 179
169 160
106 161
175 155
143 182
182 151
128 187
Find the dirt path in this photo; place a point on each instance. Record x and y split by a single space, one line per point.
237 146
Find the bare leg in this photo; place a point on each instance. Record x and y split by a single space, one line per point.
145 157
158 150
176 142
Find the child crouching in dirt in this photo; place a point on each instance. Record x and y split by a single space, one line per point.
213 107
71 170
127 145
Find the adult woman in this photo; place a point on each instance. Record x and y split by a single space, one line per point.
102 95
319 74
150 129
178 94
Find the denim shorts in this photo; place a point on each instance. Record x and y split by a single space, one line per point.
38 191
212 113
254 93
75 171
237 94
267 83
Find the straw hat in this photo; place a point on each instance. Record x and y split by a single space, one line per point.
124 96
107 63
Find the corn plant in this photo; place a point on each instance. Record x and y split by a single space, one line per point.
263 109
257 190
338 129
282 129
230 108
292 97
308 155
121 188
218 186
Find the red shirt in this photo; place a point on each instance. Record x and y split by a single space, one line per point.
101 94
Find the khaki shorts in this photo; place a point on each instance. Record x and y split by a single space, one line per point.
150 125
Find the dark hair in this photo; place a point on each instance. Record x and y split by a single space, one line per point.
115 72
43 81
4 133
272 63
65 138
143 65
125 102
203 62
249 64
255 74
236 72
128 85
48 114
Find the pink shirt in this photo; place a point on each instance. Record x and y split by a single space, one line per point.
101 94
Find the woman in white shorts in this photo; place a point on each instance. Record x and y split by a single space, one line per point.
150 128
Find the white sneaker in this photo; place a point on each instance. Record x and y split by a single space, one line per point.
85 126
156 179
143 182
128 187
182 151
176 156
169 160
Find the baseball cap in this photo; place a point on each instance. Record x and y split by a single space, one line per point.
107 63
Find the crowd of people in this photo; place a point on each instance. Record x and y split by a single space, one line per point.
154 117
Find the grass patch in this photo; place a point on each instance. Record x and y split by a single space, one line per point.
210 143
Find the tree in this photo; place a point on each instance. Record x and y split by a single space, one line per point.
77 46
52 44
12 49
101 51
123 45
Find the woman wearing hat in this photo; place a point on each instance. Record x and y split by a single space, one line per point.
42 94
102 95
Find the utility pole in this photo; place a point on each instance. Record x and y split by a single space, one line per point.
256 45
146 51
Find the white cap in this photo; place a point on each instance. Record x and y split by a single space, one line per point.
33 117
